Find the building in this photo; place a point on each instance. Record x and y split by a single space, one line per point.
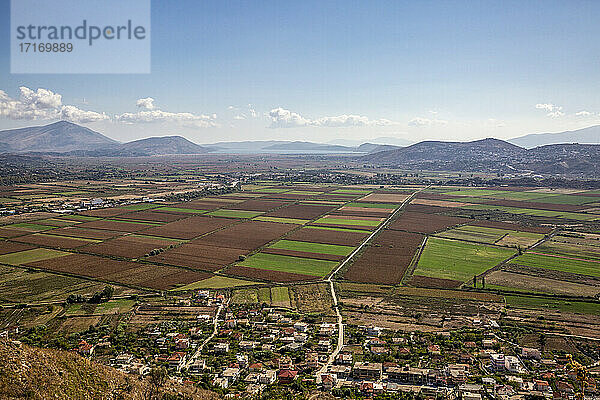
222 348
367 370
287 376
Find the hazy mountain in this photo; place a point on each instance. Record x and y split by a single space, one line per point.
590 135
393 141
493 155
245 146
163 145
60 136
374 148
309 146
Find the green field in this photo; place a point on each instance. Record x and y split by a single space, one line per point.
556 304
283 220
341 221
83 218
244 296
460 261
475 192
568 199
264 295
28 256
280 296
353 191
270 190
559 264
313 247
294 265
336 229
27 226
492 235
181 210
235 213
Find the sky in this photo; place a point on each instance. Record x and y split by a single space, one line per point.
325 70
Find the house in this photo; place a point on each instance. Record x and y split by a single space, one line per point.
367 370
182 344
197 366
512 364
231 374
527 352
434 350
312 360
324 345
328 381
267 377
221 382
85 349
374 331
326 329
498 362
301 326
300 337
221 348
122 360
377 350
242 360
256 367
341 371
409 375
542 386
285 362
287 376
177 360
247 345
344 359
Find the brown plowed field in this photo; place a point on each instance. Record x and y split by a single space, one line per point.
11 247
126 272
301 211
385 197
10 233
99 234
248 235
325 236
208 258
511 226
352 214
116 225
358 227
303 254
190 227
152 216
386 260
200 205
105 212
438 283
425 223
427 209
59 242
259 205
383 211
274 276
440 203
127 246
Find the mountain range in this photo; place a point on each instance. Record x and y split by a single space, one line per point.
486 155
589 135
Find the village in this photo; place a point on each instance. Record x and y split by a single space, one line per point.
241 351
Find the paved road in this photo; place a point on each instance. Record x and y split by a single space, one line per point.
340 341
208 339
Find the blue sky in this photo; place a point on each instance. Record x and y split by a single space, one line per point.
321 70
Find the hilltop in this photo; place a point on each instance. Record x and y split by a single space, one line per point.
34 373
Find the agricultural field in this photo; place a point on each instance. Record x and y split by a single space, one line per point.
456 261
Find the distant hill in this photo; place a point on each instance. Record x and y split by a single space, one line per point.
454 156
163 145
590 135
392 141
60 136
33 373
492 155
309 146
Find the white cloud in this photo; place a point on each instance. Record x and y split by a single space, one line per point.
554 111
146 103
282 118
43 104
583 113
149 114
74 114
420 122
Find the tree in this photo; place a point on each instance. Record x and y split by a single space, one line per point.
156 380
108 292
